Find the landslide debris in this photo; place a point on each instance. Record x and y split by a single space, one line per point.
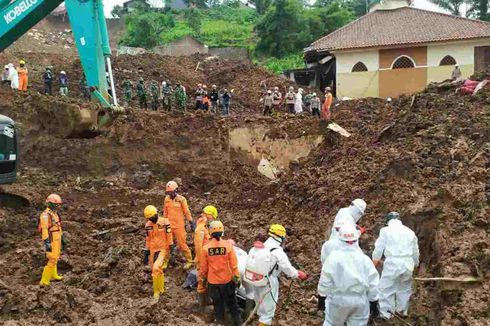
427 158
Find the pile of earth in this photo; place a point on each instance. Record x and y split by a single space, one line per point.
243 78
427 158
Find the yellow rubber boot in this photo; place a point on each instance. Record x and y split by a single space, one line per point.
162 284
158 286
188 259
166 259
46 277
55 276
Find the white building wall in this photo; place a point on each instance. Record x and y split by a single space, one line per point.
462 52
346 60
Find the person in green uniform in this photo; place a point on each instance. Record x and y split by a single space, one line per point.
141 90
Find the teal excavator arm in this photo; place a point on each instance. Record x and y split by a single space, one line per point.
89 31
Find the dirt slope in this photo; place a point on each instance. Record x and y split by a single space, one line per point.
428 160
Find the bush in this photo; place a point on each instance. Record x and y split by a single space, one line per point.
277 66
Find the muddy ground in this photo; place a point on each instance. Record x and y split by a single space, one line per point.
427 158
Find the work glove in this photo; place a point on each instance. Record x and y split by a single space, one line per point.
193 226
321 303
236 280
302 275
173 248
374 309
47 245
204 282
146 256
63 242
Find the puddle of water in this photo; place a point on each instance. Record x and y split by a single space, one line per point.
272 155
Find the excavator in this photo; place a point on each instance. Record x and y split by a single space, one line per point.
92 40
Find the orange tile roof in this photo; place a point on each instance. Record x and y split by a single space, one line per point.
400 26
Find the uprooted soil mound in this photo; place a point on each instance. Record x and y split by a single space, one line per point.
243 78
427 158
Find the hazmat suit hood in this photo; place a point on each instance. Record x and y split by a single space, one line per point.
355 213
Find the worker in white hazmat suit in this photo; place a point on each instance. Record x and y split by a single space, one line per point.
399 245
298 101
331 245
348 215
13 77
244 290
347 290
265 262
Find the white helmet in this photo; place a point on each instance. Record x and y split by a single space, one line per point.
199 85
314 94
291 88
269 92
214 86
349 233
360 204
62 72
276 88
6 66
164 83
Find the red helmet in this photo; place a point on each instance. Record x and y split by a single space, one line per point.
54 199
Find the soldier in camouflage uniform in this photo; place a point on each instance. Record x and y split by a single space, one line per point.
128 92
180 97
155 94
167 96
140 88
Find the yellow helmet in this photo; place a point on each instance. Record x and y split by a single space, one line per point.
22 62
150 211
277 230
211 210
216 226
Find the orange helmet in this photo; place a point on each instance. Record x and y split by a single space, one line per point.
171 186
54 199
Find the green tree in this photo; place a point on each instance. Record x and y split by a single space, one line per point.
326 19
194 20
478 9
118 11
143 29
261 6
283 29
453 6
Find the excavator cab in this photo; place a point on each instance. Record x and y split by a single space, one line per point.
9 150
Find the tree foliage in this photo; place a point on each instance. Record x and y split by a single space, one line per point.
143 29
288 27
477 9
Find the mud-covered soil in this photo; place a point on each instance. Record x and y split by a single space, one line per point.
242 77
429 160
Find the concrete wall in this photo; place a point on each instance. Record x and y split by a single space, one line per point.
230 53
346 60
462 52
380 80
183 47
358 84
396 82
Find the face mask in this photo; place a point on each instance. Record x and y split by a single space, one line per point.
172 194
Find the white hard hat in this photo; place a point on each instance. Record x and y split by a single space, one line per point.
291 88
456 65
199 85
62 72
214 86
276 88
360 204
6 66
349 232
269 92
314 94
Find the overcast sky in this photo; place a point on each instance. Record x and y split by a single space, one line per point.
422 4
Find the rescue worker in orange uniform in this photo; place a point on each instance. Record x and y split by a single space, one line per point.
51 234
219 269
175 208
327 104
201 238
158 241
23 76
